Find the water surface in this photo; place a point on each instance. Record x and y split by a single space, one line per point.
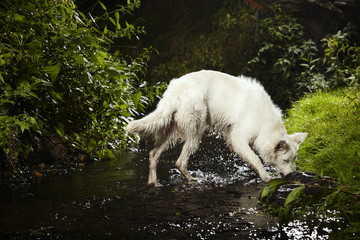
110 200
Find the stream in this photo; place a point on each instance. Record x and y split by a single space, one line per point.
110 200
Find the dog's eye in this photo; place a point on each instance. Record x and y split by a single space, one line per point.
287 160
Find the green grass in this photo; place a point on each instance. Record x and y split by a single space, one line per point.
332 147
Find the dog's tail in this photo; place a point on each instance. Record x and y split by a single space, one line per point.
161 118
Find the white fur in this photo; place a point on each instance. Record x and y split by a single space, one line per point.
236 107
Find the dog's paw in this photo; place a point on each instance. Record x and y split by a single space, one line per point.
157 184
266 178
154 184
196 179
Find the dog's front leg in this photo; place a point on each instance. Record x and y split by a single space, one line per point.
250 158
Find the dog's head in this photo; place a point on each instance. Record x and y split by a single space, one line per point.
284 153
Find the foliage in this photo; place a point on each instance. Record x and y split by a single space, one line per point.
284 48
225 44
267 44
342 57
293 63
322 203
337 66
253 38
57 75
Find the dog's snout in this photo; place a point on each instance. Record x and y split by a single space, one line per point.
282 175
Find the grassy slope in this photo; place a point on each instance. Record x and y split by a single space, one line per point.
332 120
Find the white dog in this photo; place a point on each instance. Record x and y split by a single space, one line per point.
236 107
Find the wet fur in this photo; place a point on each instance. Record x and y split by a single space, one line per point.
236 107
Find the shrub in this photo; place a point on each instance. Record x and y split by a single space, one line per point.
342 57
277 64
289 63
58 76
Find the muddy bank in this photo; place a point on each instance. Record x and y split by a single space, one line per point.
51 157
34 173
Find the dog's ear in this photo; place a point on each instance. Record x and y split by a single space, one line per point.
282 145
298 138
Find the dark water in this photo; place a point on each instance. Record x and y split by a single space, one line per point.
110 200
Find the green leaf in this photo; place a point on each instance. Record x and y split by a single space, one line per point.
265 192
112 21
22 124
79 59
81 14
274 184
53 71
23 127
277 182
34 95
102 5
295 194
117 17
92 144
60 129
136 98
109 153
56 95
19 18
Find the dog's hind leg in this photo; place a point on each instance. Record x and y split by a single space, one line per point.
193 128
188 148
191 143
154 159
162 143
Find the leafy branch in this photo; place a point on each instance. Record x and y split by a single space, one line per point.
319 197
